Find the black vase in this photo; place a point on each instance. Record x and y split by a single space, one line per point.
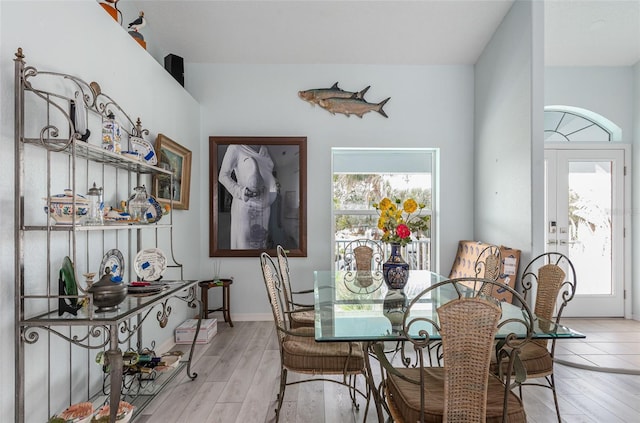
395 270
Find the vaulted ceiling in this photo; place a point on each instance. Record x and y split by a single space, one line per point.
391 32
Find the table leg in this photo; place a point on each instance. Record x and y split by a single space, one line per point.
203 311
114 358
227 304
204 294
372 384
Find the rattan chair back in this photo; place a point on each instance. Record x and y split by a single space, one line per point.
488 263
467 322
275 293
553 279
283 265
468 328
299 314
363 255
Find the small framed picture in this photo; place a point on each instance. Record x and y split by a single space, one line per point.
177 158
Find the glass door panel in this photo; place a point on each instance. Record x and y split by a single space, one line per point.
584 192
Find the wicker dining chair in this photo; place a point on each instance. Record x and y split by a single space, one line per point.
463 389
553 278
299 314
300 353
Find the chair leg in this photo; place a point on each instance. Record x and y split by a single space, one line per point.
366 408
283 385
352 391
552 385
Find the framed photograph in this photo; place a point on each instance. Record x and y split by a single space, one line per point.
257 196
172 155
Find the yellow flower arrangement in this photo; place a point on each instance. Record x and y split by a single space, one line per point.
399 220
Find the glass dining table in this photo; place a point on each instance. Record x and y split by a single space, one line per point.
351 306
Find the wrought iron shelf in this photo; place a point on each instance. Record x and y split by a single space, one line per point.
82 228
134 304
52 107
84 150
142 391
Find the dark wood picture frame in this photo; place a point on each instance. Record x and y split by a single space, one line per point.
172 155
283 193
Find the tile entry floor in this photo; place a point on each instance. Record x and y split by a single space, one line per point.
611 345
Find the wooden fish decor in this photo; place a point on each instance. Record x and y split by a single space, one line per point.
336 100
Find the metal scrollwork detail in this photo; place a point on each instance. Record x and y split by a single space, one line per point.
30 336
163 315
127 331
89 93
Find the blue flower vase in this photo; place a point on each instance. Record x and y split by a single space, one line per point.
395 270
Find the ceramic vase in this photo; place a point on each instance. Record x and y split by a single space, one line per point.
395 270
394 307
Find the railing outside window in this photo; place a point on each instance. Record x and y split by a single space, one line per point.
417 253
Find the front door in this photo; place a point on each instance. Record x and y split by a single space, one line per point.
585 221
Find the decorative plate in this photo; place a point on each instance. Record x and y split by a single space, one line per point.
125 411
154 212
133 155
76 413
145 149
114 261
149 264
68 276
145 290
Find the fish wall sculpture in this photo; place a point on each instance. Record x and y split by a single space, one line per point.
336 100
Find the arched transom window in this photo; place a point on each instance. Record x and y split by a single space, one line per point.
566 123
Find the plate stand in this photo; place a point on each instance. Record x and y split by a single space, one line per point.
63 306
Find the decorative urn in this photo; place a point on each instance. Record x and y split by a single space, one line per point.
108 292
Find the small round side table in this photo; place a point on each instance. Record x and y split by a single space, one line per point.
225 283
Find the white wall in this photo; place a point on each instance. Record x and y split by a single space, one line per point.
604 90
81 39
429 107
503 135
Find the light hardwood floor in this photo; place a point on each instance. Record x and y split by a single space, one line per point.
238 375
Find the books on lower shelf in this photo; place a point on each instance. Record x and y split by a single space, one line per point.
185 332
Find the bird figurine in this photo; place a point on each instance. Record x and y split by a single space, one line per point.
138 23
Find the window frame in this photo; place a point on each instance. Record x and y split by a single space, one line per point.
430 168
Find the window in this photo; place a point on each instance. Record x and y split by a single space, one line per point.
362 177
566 123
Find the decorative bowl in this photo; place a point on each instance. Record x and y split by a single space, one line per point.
61 208
107 298
108 292
76 413
125 411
